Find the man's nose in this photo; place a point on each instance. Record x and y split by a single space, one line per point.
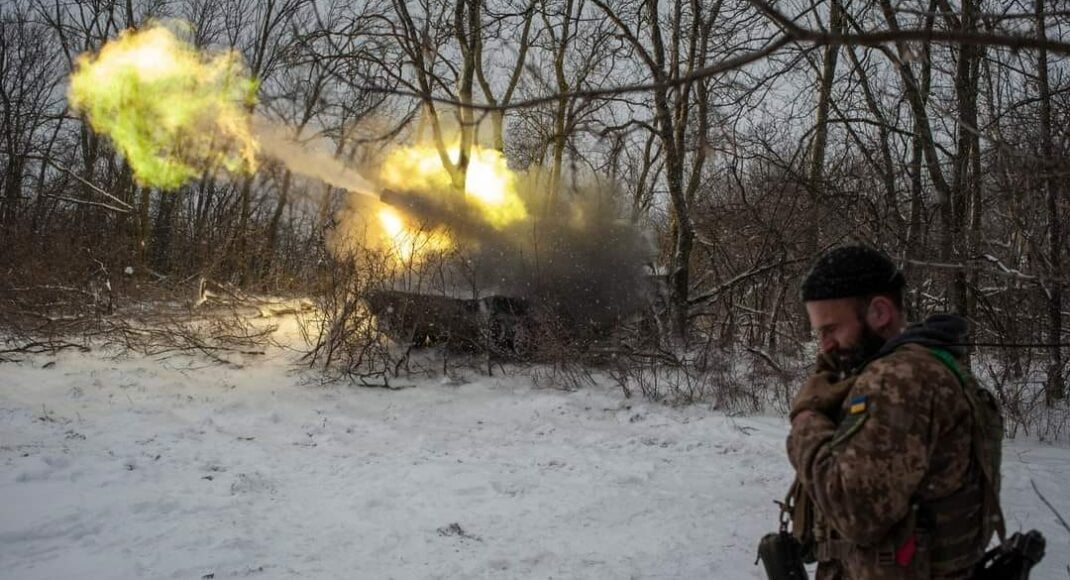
827 344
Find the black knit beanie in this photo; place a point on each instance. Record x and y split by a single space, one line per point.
851 271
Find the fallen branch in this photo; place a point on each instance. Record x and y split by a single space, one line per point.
174 337
43 346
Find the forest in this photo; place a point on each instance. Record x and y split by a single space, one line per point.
574 186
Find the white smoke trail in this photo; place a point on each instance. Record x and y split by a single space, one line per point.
276 142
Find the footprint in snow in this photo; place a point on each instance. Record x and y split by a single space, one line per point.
252 483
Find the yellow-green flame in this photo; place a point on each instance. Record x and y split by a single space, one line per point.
172 111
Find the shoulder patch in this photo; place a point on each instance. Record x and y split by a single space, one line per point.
858 405
851 423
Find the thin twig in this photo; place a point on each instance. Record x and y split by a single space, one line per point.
1003 271
126 207
87 202
872 38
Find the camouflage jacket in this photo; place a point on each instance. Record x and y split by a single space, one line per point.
904 437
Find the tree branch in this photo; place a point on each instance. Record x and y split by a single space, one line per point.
792 34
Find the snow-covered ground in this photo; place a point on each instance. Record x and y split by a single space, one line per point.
140 468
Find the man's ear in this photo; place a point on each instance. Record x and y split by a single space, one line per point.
880 312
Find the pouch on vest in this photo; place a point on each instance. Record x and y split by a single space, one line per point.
1013 559
781 555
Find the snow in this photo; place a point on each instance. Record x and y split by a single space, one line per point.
141 468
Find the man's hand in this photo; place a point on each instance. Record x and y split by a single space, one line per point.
827 362
824 392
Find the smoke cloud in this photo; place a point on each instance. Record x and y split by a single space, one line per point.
576 261
277 143
579 261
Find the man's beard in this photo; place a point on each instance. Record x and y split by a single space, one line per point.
869 344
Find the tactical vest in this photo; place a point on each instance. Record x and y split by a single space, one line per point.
954 530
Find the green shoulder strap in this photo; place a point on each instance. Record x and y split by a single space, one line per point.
949 361
991 496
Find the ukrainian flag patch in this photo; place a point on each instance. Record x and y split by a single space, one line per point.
858 405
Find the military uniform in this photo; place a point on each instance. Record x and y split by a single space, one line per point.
891 478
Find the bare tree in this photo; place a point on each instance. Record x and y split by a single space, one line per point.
29 99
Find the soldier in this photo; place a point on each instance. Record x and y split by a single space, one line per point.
895 478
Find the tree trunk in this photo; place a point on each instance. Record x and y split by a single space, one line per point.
144 227
559 137
818 205
684 234
162 231
1055 388
273 228
242 242
964 181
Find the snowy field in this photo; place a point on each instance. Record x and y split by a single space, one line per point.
140 468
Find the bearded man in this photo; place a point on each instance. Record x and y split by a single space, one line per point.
885 437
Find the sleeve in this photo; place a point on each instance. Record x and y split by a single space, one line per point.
863 472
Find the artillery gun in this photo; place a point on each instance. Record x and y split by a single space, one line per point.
547 285
496 324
